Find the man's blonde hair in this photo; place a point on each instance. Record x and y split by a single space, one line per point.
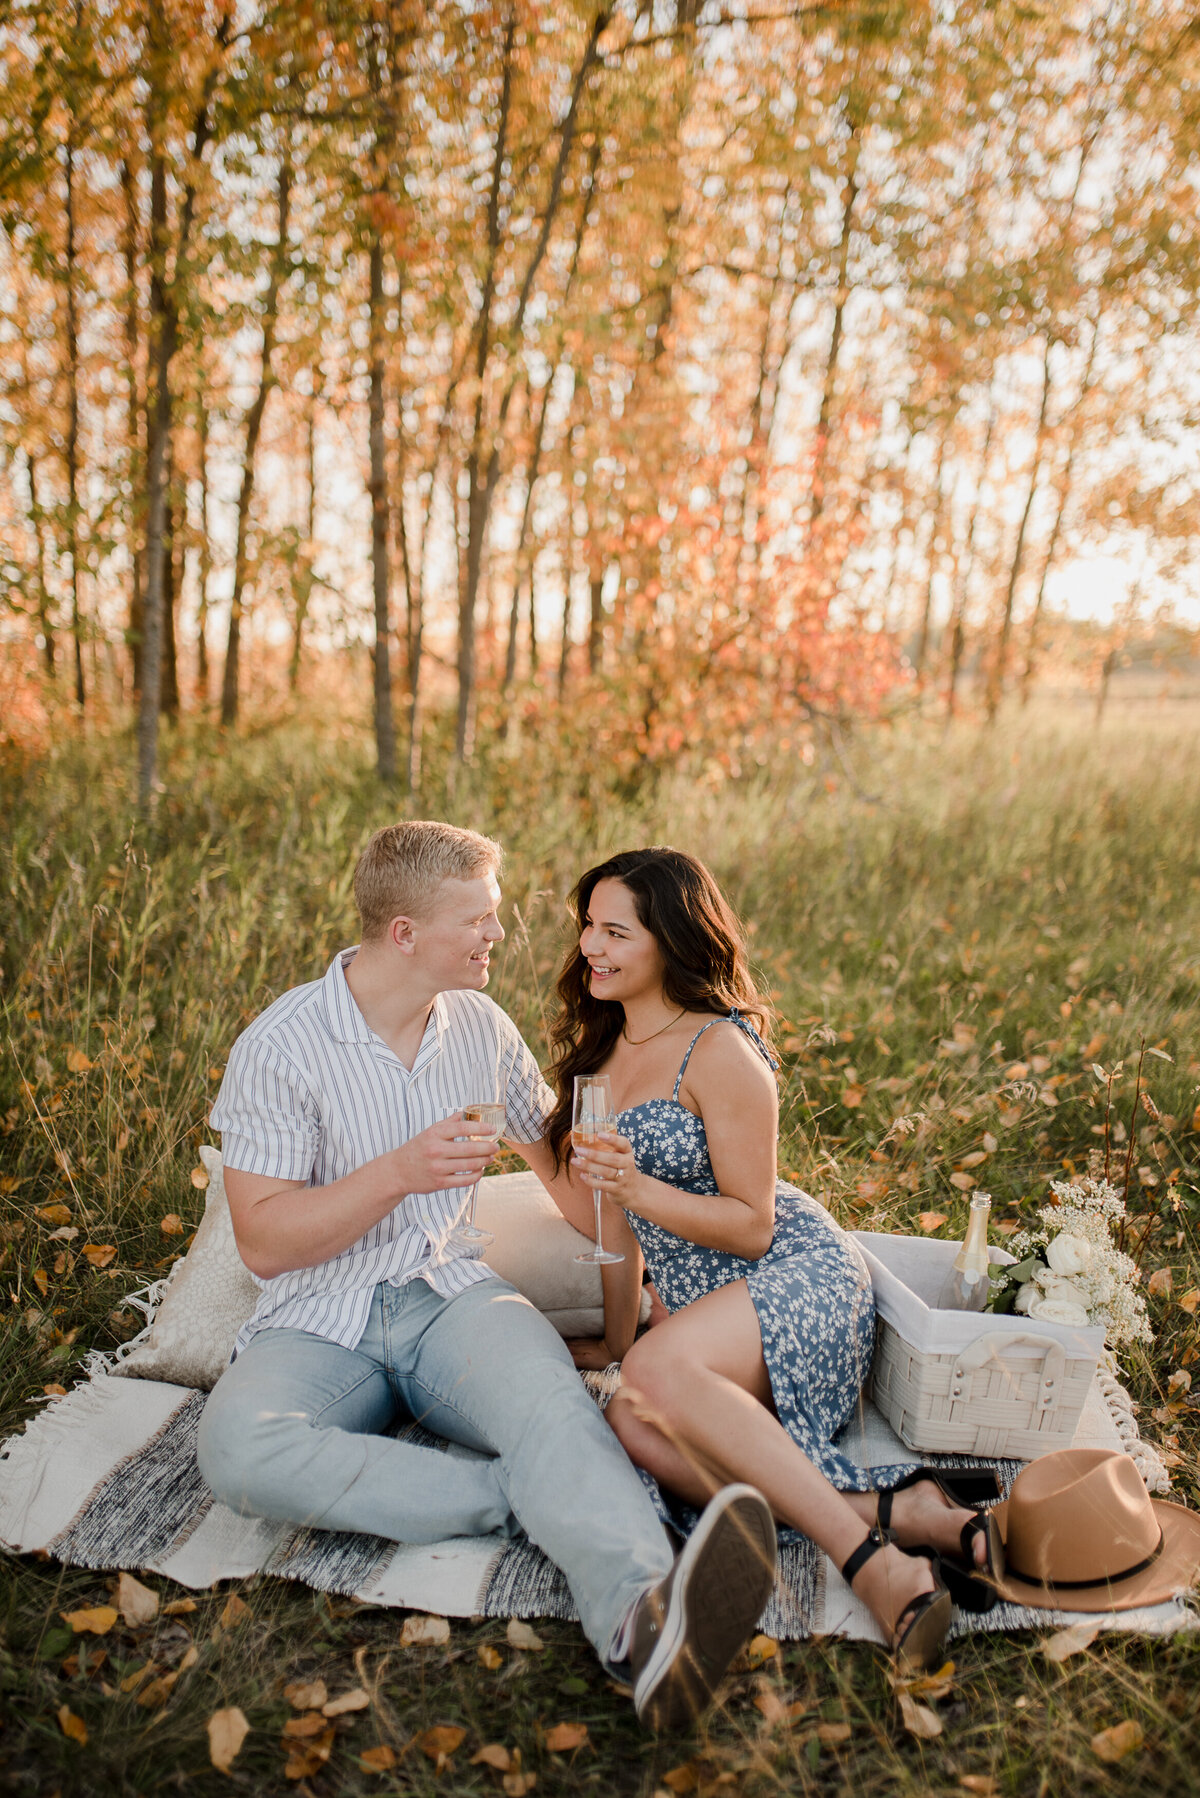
403 865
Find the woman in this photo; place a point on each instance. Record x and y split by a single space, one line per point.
771 1327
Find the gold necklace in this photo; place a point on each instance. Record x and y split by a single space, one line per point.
635 1042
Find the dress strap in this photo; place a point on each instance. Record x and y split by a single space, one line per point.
732 1017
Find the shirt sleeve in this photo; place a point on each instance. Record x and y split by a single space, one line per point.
527 1099
266 1114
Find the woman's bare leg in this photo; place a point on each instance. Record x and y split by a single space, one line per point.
694 1409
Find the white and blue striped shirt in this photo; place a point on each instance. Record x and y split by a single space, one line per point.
311 1093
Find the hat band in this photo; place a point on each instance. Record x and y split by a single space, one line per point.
1073 1585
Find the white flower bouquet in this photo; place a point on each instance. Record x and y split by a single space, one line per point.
1070 1271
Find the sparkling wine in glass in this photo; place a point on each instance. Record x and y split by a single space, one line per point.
481 1117
592 1115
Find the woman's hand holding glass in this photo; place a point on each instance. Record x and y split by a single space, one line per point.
606 1164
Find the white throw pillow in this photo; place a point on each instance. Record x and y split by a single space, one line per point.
210 1292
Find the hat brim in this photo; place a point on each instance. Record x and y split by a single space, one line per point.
1173 1571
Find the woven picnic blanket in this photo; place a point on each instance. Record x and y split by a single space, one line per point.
106 1477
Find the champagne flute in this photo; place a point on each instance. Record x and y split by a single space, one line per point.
487 1118
591 1115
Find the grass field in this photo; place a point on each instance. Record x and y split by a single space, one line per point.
955 930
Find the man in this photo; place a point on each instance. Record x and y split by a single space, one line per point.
346 1166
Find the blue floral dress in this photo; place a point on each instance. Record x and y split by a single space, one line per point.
811 1290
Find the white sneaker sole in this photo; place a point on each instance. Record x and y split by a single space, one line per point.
721 1581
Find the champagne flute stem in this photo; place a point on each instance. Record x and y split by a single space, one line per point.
597 1195
471 1205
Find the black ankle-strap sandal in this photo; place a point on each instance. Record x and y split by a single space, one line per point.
971 1586
919 1643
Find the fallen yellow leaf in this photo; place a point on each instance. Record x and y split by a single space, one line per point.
300 1729
236 1611
520 1635
493 1754
377 1760
97 1620
157 1691
227 1730
931 1221
179 1607
133 1680
489 1657
355 1700
41 1280
1159 1283
939 1684
191 1656
565 1737
53 1214
833 1733
682 1779
172 1224
853 1096
918 1719
54 1390
72 1726
440 1742
306 1694
1073 1640
425 1632
980 1783
77 1061
99 1254
762 1648
136 1603
199 1176
1114 1744
1189 1301
307 1758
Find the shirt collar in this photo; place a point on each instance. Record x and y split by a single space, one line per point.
349 1025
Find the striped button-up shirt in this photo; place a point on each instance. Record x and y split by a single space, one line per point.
311 1093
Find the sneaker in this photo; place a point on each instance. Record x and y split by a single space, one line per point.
688 1628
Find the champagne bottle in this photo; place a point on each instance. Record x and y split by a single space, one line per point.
966 1285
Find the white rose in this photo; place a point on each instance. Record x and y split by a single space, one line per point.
1069 1254
1025 1297
1051 1310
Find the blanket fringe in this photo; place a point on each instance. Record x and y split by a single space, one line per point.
99 1362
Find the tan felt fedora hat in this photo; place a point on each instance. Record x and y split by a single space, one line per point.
1081 1533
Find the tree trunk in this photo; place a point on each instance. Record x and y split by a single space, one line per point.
305 587
939 507
385 724
168 686
134 448
963 573
164 326
254 418
1063 498
72 444
829 382
999 663
204 573
37 519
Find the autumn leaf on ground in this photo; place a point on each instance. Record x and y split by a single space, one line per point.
982 1784
306 1758
1073 1640
519 1635
494 1755
762 1648
236 1611
853 1096
937 1684
918 1719
566 1736
1114 1744
77 1061
377 1760
99 1254
425 1632
1189 1301
58 1215
179 1607
931 1221
515 1783
306 1694
831 1734
227 1730
136 1603
172 1224
304 1727
683 1779
96 1620
489 1657
355 1700
72 1726
440 1742
156 1693
1159 1283
199 1176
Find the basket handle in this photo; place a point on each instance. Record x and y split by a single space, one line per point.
992 1348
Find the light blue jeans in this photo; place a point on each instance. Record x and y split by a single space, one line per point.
292 1432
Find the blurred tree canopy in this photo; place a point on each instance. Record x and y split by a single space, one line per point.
706 365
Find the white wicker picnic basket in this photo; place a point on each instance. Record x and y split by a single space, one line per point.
958 1382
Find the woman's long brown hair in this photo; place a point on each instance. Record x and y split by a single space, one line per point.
704 966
